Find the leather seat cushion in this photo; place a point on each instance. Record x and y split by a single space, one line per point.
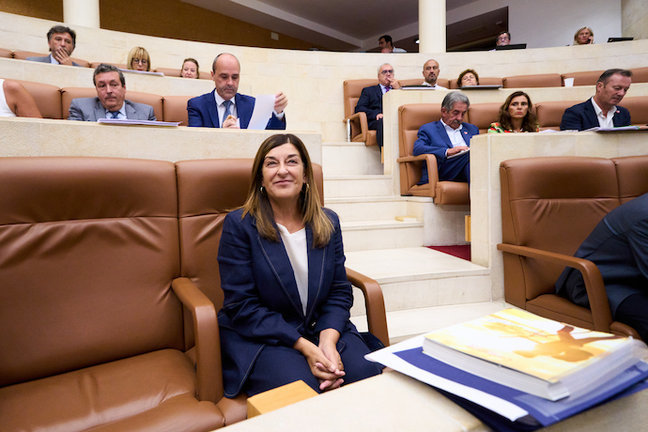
152 391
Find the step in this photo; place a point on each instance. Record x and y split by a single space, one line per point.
418 277
347 186
381 234
413 322
350 158
367 208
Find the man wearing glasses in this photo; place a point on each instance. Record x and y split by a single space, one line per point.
370 101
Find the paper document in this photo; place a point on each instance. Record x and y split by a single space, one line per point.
458 154
616 129
136 122
263 107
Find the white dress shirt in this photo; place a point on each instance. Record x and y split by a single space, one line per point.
455 135
296 248
605 121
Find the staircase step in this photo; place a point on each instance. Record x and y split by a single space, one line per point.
367 208
357 185
350 158
381 234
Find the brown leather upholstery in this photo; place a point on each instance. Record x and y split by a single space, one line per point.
47 97
549 206
482 81
537 80
410 118
175 109
22 55
640 75
69 93
5 53
93 330
483 114
418 81
358 122
638 107
172 72
550 113
583 78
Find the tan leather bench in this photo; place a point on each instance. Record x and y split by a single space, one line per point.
583 78
483 114
537 80
175 109
549 206
47 97
550 113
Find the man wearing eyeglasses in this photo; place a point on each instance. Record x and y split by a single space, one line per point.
370 101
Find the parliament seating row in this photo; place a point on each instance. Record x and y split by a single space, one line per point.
110 292
357 122
549 206
171 72
412 116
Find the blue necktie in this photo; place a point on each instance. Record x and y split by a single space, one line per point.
114 114
228 106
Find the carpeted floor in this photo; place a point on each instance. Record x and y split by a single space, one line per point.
460 251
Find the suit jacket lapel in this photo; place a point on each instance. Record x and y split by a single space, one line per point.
465 134
591 115
278 260
130 111
316 260
443 134
212 109
244 110
99 110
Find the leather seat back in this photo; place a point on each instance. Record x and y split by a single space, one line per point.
583 78
175 109
483 114
536 80
89 249
550 114
69 93
352 91
47 97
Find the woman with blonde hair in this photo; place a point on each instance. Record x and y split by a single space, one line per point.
584 36
189 68
139 59
515 115
285 314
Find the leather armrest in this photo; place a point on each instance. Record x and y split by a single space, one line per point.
359 126
429 160
374 304
207 340
599 305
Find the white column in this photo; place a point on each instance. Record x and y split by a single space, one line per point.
432 26
81 12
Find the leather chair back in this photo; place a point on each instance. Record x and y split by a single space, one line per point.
583 78
640 75
69 93
482 80
552 204
5 53
22 55
175 109
89 248
632 175
47 97
418 81
352 91
550 114
170 72
638 107
483 114
536 80
208 190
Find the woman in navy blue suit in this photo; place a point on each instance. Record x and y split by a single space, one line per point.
285 315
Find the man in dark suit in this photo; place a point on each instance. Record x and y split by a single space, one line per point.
61 41
111 100
448 140
224 107
370 101
618 246
601 110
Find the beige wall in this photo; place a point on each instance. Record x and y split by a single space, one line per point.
634 19
164 18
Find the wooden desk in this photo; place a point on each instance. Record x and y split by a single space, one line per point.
395 402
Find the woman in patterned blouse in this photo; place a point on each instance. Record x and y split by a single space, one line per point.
516 115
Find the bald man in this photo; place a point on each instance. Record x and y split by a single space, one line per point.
224 107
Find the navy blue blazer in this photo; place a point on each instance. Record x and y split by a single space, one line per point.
433 139
370 102
203 112
618 246
582 117
261 301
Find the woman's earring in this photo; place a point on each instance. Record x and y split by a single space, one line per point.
261 189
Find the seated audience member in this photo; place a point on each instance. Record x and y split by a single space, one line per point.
224 107
503 39
110 101
601 110
370 101
189 68
618 246
15 101
431 74
468 77
139 59
285 314
61 41
386 45
448 140
515 115
584 36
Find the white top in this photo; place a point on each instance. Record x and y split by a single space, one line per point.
435 86
605 121
398 50
296 248
5 111
455 135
